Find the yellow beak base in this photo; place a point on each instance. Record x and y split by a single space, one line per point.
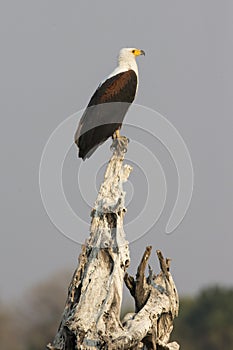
138 52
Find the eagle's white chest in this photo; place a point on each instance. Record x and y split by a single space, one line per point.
124 67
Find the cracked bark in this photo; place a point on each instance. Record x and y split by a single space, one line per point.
91 317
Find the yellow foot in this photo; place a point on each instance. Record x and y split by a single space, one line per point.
116 134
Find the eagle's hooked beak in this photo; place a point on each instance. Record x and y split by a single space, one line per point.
138 52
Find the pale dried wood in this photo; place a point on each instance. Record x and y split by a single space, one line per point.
91 318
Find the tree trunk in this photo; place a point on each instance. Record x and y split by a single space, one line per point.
91 318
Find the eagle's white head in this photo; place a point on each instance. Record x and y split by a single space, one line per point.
127 60
130 53
127 56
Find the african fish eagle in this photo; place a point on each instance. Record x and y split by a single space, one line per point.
106 110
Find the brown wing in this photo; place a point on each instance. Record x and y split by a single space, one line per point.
105 112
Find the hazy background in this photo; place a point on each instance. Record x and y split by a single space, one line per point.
53 56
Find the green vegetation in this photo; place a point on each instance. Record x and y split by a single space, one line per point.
204 322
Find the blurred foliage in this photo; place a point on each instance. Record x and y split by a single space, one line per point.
31 323
205 321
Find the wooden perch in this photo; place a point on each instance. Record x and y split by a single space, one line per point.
91 318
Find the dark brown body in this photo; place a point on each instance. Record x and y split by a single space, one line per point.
105 112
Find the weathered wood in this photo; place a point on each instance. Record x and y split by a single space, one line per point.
156 303
91 318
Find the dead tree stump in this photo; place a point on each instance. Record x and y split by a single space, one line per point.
91 318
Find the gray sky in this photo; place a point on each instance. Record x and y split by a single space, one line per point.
53 56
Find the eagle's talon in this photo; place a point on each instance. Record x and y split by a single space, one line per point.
119 145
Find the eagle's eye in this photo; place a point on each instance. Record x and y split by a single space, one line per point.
133 51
